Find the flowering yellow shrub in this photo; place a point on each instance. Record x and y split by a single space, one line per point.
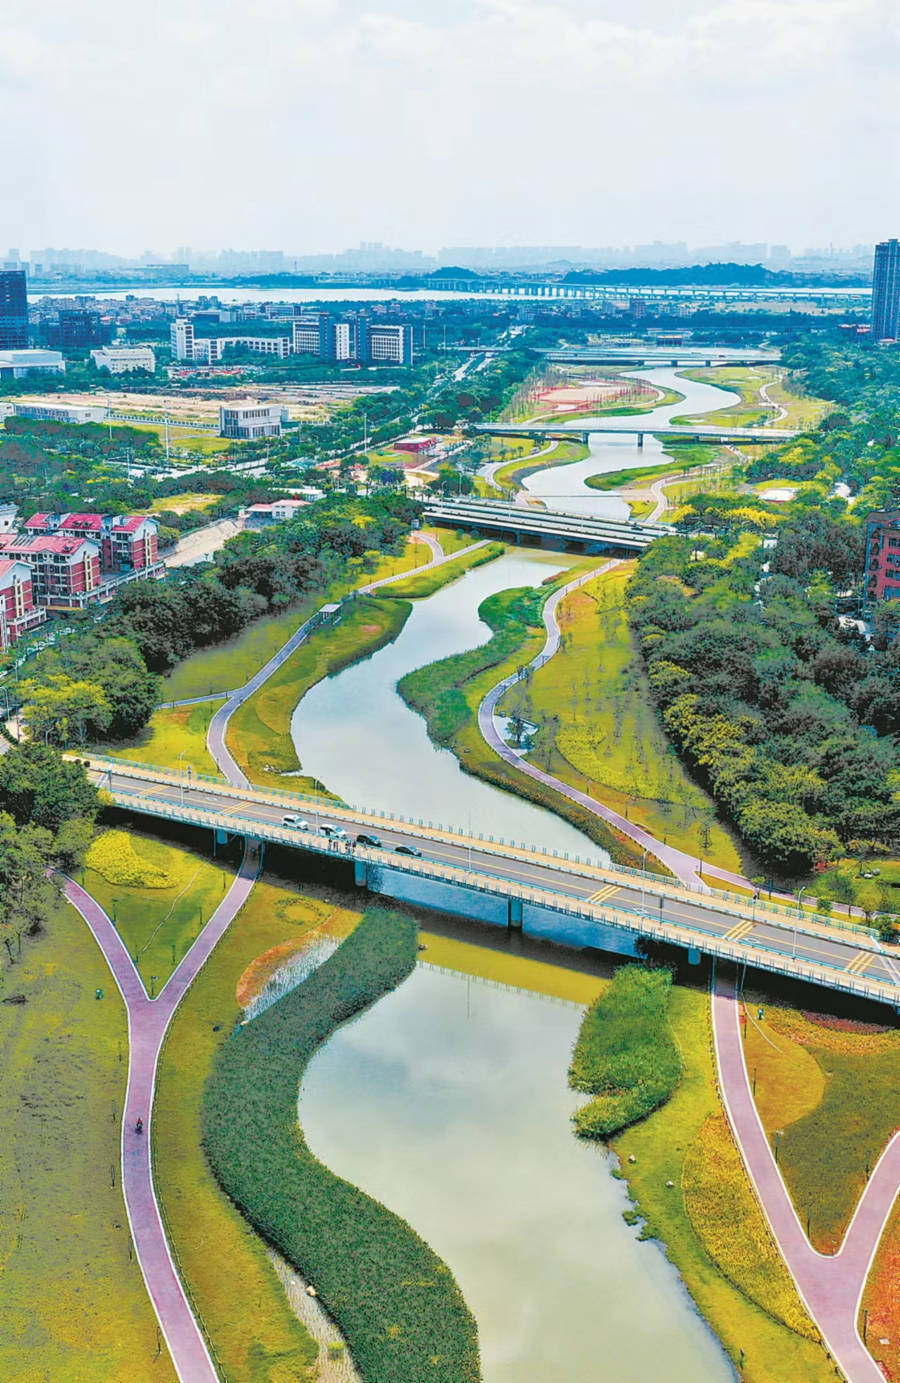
113 855
728 1222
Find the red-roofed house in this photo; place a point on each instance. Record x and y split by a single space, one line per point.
127 542
65 570
18 612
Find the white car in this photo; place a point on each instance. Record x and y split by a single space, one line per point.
296 821
333 832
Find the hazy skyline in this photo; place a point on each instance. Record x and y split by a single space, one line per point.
310 125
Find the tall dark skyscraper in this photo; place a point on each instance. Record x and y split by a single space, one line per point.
13 310
886 291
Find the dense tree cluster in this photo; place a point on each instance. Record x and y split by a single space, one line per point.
479 393
787 718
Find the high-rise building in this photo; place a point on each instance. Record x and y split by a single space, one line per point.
181 333
13 310
75 330
886 291
882 579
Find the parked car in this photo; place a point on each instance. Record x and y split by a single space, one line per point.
296 821
369 840
408 850
333 832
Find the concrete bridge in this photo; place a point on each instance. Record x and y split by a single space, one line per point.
683 357
565 899
557 529
582 431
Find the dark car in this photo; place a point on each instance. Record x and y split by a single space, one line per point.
408 850
369 840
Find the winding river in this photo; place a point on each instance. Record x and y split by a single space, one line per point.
563 487
448 1100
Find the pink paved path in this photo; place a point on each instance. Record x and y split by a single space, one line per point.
830 1286
147 1023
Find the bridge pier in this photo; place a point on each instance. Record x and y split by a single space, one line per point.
640 438
514 915
693 955
360 873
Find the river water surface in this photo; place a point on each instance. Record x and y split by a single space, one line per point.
448 1100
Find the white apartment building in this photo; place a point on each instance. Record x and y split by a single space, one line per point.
119 360
344 340
247 421
390 343
181 339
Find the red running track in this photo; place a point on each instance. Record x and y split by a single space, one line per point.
831 1286
147 1023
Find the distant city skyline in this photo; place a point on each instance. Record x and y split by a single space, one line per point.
324 123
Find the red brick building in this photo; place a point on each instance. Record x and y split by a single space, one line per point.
18 612
127 542
65 571
882 581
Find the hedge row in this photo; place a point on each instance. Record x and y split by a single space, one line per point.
396 1303
625 1055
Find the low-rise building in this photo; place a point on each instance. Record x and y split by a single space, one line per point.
882 578
278 511
120 360
249 420
17 364
48 411
18 612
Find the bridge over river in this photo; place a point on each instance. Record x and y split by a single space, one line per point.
523 522
561 898
703 432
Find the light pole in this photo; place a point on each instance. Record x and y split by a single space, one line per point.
643 880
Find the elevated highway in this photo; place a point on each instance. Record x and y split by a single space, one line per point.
683 357
521 522
568 900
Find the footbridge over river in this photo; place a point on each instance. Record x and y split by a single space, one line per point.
561 898
525 523
678 357
701 432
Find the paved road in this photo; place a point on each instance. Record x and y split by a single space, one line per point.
147 1023
831 1287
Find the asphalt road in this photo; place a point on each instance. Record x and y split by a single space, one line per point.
703 913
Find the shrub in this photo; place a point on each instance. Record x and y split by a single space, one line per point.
625 1055
396 1303
113 855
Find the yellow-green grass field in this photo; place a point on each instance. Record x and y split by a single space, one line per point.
259 732
74 1303
563 454
425 583
604 735
160 895
226 666
832 1095
748 1302
175 737
183 503
451 540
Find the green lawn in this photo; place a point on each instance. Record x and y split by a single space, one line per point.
824 1149
157 923
74 1303
510 477
425 583
241 1302
601 733
175 737
259 732
662 1147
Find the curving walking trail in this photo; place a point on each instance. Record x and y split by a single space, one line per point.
831 1286
148 1020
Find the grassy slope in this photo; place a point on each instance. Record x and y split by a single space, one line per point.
609 741
74 1304
746 380
824 1146
175 737
153 921
425 583
229 665
259 732
661 1146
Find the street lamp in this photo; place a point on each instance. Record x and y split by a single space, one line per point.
643 879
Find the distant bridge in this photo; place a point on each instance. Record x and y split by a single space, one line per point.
522 522
706 432
673 356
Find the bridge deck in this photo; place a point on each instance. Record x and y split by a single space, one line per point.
588 899
497 516
704 432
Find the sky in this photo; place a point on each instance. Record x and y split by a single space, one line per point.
310 125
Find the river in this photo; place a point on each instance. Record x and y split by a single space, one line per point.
563 487
448 1099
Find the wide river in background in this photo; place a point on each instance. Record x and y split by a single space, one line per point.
448 1100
